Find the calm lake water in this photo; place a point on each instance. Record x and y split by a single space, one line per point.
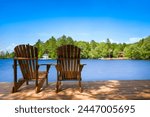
95 70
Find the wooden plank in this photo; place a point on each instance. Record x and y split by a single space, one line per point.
24 63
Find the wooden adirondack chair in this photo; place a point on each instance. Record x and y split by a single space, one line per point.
68 65
26 56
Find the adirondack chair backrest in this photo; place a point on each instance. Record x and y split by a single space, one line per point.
27 57
69 61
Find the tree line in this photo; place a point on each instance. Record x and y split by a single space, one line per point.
93 49
6 54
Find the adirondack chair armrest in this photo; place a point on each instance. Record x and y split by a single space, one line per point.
81 66
58 67
44 64
47 66
24 58
53 64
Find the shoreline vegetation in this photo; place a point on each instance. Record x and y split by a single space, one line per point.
92 50
119 58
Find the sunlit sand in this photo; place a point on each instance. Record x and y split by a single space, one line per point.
101 90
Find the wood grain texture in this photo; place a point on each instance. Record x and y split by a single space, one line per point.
68 64
27 58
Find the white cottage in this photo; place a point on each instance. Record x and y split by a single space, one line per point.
45 56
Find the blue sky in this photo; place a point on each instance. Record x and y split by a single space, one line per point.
26 21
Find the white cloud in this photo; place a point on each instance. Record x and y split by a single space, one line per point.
134 39
111 40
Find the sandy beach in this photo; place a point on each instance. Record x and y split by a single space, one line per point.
101 90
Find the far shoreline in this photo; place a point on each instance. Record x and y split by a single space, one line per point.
120 58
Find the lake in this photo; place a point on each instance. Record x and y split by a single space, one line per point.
95 70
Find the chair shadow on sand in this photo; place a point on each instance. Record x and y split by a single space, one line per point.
101 90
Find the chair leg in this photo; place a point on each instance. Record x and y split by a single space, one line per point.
27 82
47 81
38 88
47 69
57 87
17 85
58 84
14 90
80 87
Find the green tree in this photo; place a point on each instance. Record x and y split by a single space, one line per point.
61 41
145 49
93 53
101 50
50 47
133 52
40 46
84 48
69 40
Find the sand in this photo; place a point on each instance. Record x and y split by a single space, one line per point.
100 90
